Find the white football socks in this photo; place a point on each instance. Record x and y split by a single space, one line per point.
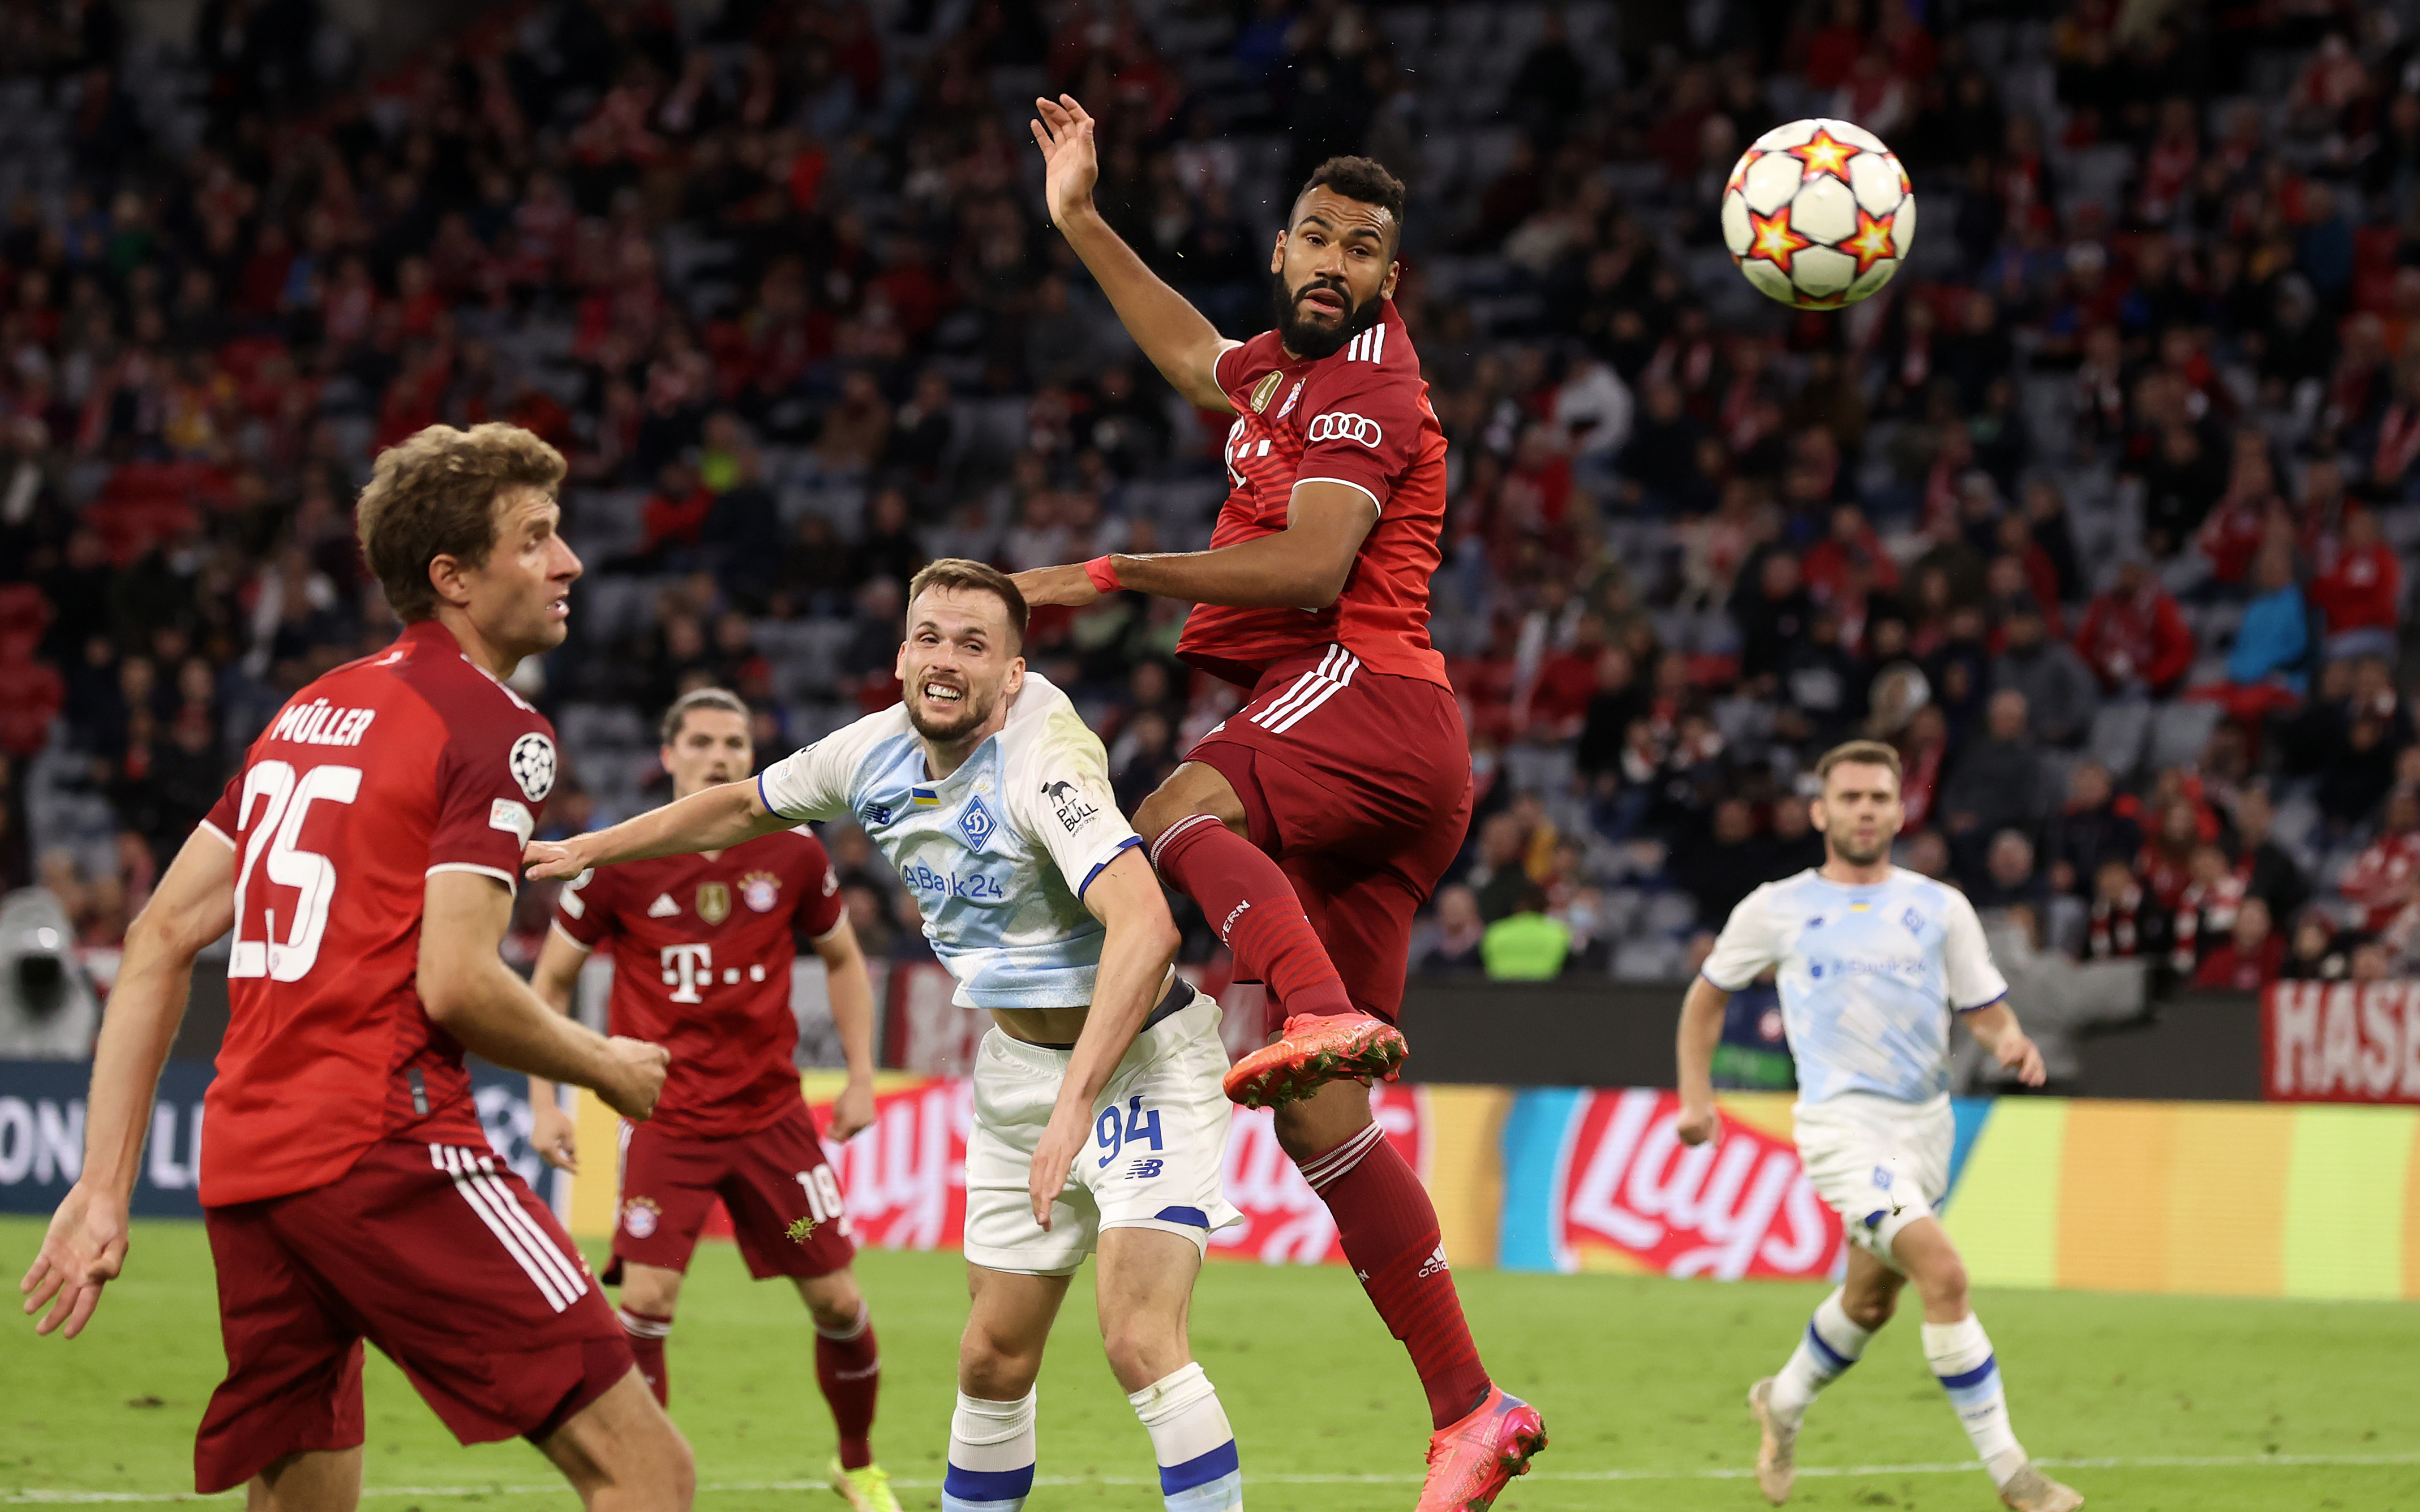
991 1455
1960 1355
1199 1470
1831 1344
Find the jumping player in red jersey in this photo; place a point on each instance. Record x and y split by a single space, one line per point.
701 946
1314 822
366 859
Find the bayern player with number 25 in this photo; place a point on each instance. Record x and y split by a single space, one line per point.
365 857
701 946
1315 822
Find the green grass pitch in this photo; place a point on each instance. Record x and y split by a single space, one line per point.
2152 1402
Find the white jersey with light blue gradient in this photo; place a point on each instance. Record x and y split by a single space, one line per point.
997 853
1868 977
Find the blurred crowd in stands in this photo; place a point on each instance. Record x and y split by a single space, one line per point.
2099 512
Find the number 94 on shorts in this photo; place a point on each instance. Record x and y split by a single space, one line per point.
1159 1140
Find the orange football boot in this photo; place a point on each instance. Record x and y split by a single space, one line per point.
1311 1052
1472 1461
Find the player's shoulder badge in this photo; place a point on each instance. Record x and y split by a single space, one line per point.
760 890
1265 391
1067 802
532 766
713 902
975 823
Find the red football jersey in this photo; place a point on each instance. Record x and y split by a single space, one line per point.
701 953
385 771
1360 417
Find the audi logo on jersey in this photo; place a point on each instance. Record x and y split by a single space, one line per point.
1345 426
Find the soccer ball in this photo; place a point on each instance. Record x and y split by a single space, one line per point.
1818 213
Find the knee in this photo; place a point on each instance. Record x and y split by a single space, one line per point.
1944 1285
649 1470
1141 1350
1154 814
1323 1121
834 1301
1868 1310
996 1369
646 1289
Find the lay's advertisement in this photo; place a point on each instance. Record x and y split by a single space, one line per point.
2203 1199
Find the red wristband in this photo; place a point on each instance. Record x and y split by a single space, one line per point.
1104 575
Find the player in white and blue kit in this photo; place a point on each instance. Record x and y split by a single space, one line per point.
992 800
1874 962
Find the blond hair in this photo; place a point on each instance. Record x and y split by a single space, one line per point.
434 494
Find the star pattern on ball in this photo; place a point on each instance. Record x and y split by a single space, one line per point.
1824 153
1738 170
1872 241
1770 239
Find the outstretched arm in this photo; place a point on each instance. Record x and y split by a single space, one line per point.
86 1242
469 991
1180 343
714 820
1303 566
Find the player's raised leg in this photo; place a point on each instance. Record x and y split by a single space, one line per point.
1144 1289
991 1432
1201 840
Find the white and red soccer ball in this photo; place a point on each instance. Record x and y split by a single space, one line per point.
1818 213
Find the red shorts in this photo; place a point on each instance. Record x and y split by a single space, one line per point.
767 1179
1358 784
440 1257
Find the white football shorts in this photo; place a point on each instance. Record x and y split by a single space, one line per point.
1158 1147
1880 1163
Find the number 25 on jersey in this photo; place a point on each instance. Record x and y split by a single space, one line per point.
285 803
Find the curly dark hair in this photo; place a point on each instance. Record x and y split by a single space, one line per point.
1362 179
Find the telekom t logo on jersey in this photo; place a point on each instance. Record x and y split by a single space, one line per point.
688 968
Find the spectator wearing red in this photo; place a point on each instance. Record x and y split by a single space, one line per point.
2232 535
2133 636
1853 541
2383 873
2251 957
673 516
2358 588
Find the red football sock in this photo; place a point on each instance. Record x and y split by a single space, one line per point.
647 1332
1243 893
1388 1227
849 1370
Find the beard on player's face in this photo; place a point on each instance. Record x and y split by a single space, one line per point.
1858 844
1314 331
938 721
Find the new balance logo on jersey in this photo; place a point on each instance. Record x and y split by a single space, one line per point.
1345 426
1436 1264
663 907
